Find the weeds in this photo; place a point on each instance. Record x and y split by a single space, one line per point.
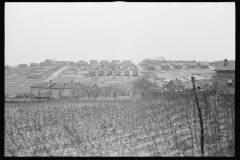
163 127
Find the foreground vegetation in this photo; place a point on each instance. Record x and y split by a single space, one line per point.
160 127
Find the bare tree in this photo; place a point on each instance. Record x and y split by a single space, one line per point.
143 84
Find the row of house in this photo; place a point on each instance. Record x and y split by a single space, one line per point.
111 73
103 65
223 80
177 65
47 62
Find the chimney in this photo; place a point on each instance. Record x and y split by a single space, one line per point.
225 62
176 78
50 81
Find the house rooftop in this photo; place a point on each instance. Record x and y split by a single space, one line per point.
58 85
229 67
178 82
100 84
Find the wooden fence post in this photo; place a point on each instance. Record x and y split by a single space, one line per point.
200 117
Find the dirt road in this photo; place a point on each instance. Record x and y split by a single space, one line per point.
55 74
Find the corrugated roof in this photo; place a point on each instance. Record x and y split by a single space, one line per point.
230 67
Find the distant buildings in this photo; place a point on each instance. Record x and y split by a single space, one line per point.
165 65
47 62
225 76
177 65
41 71
203 65
22 66
93 62
191 65
175 85
49 68
150 67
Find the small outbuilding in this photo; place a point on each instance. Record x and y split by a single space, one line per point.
175 85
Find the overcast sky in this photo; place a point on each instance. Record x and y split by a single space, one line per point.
118 30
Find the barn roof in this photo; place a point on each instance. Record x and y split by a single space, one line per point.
177 82
230 67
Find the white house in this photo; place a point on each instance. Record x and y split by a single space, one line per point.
55 90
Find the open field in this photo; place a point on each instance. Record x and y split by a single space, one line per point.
22 84
118 128
19 83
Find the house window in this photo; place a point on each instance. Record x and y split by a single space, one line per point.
229 83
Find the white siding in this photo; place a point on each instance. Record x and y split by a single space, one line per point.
55 92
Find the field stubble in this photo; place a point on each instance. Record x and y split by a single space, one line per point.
114 129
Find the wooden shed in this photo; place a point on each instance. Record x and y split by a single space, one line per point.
225 76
